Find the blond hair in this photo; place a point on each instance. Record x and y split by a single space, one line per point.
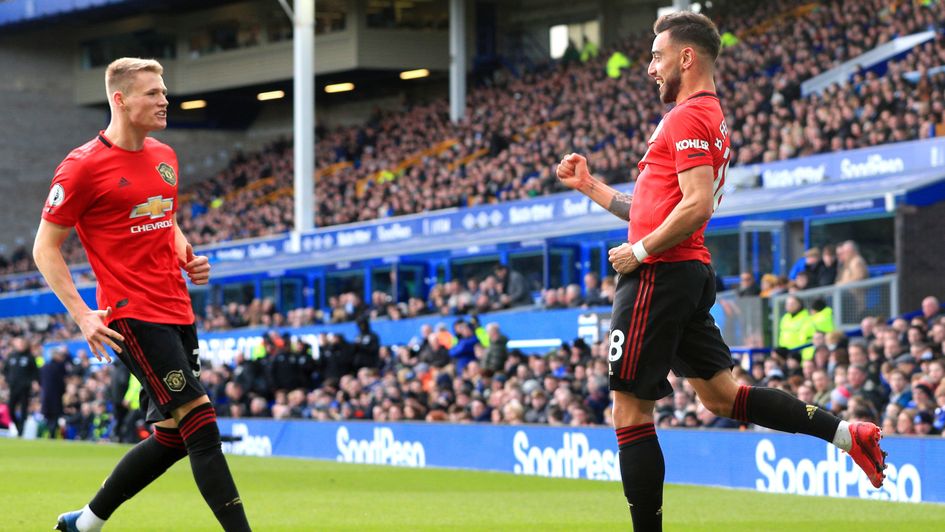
121 72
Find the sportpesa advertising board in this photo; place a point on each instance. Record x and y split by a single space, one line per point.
763 461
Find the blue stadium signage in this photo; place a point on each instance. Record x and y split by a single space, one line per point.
481 221
885 160
851 206
762 461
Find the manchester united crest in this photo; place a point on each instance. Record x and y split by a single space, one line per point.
167 173
175 380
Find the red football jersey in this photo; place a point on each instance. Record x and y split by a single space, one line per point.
122 204
691 134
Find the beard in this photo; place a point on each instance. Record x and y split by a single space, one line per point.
669 91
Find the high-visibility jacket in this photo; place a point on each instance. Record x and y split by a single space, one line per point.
133 393
258 351
483 336
795 330
589 51
823 320
616 63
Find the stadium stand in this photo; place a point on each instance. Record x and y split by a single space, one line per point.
389 324
892 374
371 171
423 378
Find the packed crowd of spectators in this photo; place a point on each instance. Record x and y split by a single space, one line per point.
374 170
18 271
18 260
838 264
466 374
218 207
66 395
414 159
770 120
463 365
891 374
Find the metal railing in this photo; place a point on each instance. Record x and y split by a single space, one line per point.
741 320
878 296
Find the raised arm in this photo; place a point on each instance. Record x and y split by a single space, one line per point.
572 172
47 253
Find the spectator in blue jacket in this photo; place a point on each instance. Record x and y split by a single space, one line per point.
464 351
809 263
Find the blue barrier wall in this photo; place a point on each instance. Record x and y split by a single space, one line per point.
769 462
41 301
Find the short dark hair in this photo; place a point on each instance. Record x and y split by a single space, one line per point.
691 28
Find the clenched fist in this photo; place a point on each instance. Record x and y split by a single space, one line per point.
573 172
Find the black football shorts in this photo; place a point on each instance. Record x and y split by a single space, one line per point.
661 321
165 360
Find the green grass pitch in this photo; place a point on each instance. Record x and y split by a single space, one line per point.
40 479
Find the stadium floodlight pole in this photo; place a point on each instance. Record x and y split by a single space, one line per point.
303 22
457 60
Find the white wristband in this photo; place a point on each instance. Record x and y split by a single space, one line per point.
639 251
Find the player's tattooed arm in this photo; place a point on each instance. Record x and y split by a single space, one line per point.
616 202
573 173
620 205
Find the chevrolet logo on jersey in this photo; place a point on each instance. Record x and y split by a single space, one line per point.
155 207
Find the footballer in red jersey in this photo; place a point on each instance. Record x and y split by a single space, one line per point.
122 204
691 135
666 285
119 192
